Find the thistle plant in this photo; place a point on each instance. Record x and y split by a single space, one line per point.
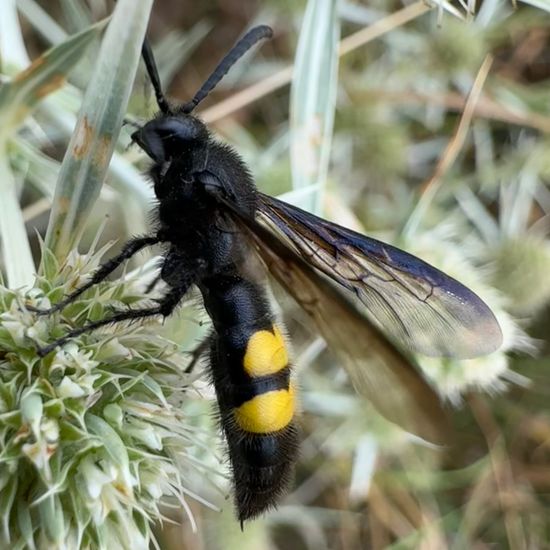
94 439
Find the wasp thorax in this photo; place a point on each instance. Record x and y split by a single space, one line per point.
169 137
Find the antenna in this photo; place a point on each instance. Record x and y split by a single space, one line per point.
239 49
151 66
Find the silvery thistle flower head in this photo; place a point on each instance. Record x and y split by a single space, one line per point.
94 437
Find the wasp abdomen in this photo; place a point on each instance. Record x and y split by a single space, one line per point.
256 397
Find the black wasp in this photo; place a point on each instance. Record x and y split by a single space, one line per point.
221 234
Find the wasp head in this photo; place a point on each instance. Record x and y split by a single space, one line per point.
170 136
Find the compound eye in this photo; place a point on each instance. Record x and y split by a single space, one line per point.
150 142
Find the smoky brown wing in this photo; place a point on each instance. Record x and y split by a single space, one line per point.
414 303
378 369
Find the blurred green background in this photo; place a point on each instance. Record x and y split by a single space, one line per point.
467 189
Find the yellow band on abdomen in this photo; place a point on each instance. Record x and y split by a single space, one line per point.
269 412
265 353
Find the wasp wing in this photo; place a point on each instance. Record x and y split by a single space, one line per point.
413 302
377 368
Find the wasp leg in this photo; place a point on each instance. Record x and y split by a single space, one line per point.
153 284
164 307
130 248
197 353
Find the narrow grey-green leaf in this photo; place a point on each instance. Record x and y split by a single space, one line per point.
7 496
12 48
40 170
16 252
24 521
51 516
110 439
541 4
41 21
77 14
45 75
313 97
87 158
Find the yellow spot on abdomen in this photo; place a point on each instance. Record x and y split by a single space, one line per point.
266 413
265 353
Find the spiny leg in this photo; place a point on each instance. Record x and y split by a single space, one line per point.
164 307
153 284
130 248
197 353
